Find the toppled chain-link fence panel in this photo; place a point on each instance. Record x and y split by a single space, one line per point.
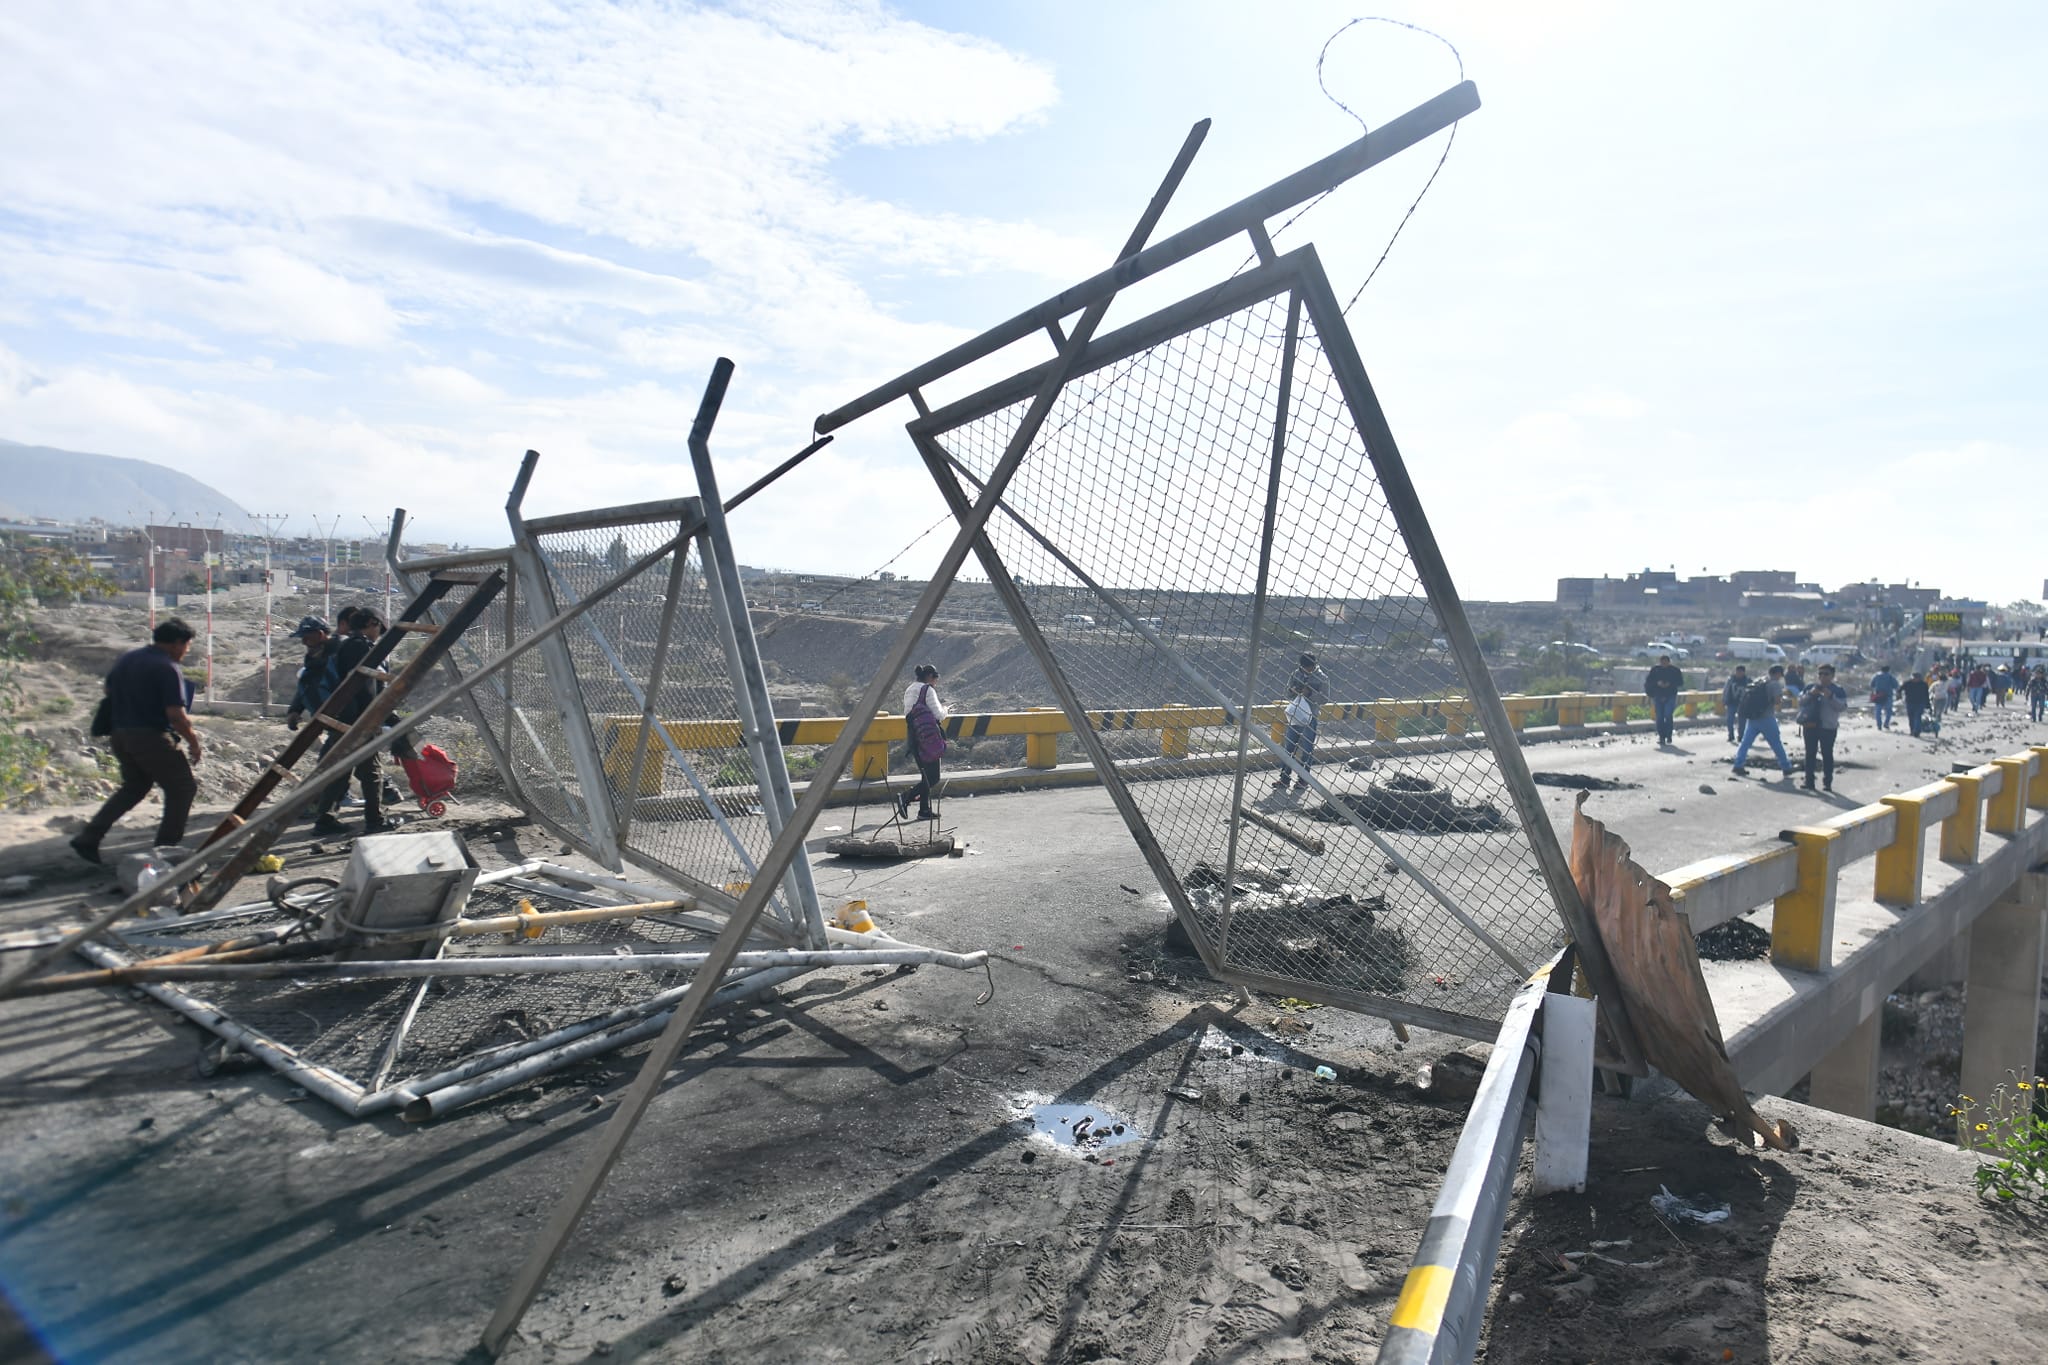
381 1044
514 709
1155 531
682 796
684 790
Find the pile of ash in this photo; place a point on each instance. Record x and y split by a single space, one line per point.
1300 930
1737 940
1414 805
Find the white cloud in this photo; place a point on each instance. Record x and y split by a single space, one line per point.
449 385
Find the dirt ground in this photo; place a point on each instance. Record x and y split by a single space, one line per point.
1867 1244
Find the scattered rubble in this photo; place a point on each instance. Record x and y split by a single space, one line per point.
1415 805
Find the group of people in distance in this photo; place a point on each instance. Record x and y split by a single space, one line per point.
1307 689
332 654
1751 706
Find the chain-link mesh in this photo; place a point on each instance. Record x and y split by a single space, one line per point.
347 1027
694 810
692 807
1141 506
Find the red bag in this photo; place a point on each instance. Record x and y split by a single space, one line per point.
431 777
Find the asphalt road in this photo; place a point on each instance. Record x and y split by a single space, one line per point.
148 1214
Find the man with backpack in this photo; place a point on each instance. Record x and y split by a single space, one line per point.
1731 695
1759 712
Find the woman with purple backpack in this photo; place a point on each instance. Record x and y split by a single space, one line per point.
924 713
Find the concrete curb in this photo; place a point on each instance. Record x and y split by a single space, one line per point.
976 781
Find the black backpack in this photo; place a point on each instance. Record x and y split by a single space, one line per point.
1756 701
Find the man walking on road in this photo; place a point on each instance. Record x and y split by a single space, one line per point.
1882 689
1916 692
1731 697
1759 712
1820 716
1661 685
1312 685
147 699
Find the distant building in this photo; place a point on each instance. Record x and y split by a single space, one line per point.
187 539
1766 580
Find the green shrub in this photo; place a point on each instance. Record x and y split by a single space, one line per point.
2010 1136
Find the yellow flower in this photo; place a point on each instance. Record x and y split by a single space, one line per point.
2026 1085
1983 1127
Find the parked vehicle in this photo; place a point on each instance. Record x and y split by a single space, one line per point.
1837 655
1657 647
1077 621
1567 647
1752 649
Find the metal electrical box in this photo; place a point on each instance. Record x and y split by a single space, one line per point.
397 889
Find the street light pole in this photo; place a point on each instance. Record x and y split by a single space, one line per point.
215 539
380 538
149 543
327 566
269 530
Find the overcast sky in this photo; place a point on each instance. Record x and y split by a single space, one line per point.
1713 288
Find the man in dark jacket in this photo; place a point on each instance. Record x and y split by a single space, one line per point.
1914 690
316 674
1731 697
1820 716
147 699
363 626
1883 686
1661 684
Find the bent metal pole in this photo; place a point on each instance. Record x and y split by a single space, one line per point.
788 843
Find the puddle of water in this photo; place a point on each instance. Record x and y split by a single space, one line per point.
1081 1127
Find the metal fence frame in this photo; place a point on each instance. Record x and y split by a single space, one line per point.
600 820
1299 275
1135 260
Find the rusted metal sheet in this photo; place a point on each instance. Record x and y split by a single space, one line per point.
1657 967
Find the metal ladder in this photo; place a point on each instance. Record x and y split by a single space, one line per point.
440 638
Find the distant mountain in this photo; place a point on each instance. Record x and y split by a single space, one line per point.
70 485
